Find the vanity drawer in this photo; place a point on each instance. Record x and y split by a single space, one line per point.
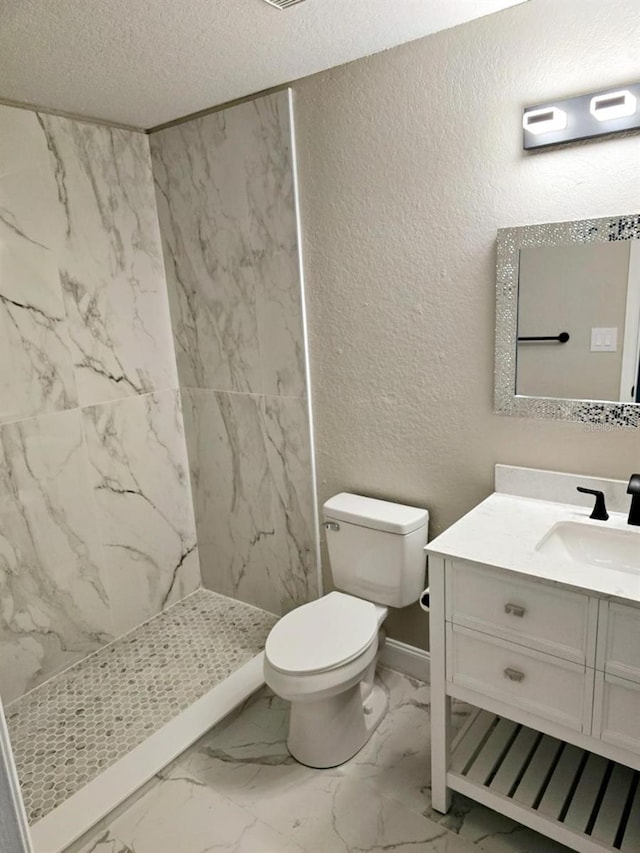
616 716
619 641
557 621
541 684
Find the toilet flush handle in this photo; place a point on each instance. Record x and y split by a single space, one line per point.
332 525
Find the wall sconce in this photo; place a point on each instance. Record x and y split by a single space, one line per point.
584 117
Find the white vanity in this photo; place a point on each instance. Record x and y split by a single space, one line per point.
535 621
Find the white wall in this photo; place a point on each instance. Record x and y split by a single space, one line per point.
409 162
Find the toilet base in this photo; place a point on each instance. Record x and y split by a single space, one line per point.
331 731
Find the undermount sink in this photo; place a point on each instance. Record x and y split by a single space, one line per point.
594 545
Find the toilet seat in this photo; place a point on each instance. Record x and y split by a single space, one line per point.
322 635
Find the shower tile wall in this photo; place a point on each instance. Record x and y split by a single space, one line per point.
96 524
224 187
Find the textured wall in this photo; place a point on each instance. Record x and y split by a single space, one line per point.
409 162
96 523
224 185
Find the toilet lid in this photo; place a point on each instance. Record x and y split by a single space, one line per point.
322 635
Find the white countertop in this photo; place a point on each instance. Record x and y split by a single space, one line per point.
504 529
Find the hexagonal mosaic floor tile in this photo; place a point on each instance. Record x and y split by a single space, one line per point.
67 731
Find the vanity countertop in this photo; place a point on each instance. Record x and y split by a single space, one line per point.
504 530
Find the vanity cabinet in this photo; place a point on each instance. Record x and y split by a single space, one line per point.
555 674
617 688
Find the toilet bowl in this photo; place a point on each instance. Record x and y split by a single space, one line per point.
321 658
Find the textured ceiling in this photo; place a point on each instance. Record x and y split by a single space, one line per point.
145 62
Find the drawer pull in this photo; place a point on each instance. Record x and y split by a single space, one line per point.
514 674
514 610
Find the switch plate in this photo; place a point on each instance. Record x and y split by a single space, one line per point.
604 340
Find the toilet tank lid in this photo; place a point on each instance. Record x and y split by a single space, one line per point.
375 514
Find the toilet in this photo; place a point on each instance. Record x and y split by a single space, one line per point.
322 656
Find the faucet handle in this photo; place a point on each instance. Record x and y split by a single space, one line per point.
634 485
599 510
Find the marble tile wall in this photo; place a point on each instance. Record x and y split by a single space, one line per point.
96 522
225 193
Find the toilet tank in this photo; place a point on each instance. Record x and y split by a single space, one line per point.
376 548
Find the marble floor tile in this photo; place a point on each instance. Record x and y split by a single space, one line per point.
183 814
327 813
338 809
396 760
246 756
105 842
376 802
490 831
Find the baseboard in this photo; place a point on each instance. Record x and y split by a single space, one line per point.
406 659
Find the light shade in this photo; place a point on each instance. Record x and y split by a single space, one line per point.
544 120
613 105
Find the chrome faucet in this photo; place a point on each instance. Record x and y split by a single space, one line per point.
633 489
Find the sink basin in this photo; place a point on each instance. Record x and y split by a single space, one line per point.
593 545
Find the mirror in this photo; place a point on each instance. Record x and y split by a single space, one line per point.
568 321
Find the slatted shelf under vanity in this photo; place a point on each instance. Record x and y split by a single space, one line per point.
580 799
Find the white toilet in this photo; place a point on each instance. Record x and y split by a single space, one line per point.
322 656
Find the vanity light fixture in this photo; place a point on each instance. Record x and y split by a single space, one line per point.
583 117
283 4
544 120
613 105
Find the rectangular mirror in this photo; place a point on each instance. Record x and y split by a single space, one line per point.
568 321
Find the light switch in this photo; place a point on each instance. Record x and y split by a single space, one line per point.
604 340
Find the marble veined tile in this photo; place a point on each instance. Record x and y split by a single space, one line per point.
182 814
397 760
246 757
36 373
110 260
289 456
21 142
326 813
200 183
224 186
104 842
141 480
274 236
54 605
252 494
232 485
491 832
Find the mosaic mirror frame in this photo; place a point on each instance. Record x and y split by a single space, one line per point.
510 240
